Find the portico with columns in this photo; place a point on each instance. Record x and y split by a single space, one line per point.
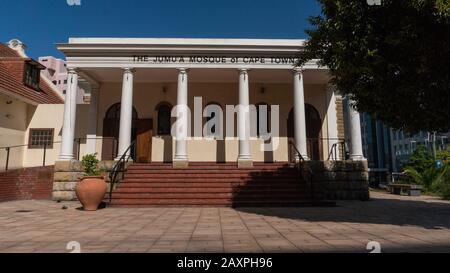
134 82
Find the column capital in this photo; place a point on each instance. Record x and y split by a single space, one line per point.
331 88
183 70
298 70
127 70
351 103
72 70
243 70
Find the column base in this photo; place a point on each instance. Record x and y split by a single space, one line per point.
180 163
245 163
297 158
120 156
66 158
357 157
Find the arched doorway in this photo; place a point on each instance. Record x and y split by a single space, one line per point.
313 131
164 110
163 129
141 132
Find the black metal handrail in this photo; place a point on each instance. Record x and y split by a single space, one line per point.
44 153
302 165
333 155
119 168
44 147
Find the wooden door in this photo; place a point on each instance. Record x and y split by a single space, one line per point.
144 141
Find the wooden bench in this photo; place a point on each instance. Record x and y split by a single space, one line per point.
411 190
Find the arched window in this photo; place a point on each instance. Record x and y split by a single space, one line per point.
313 131
114 112
262 118
213 111
164 119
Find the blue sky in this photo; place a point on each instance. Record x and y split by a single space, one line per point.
42 23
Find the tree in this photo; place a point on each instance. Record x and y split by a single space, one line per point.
422 169
392 59
432 179
420 159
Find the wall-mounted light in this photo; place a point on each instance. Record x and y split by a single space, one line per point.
9 116
263 90
9 102
164 89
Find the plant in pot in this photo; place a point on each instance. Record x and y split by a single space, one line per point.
91 188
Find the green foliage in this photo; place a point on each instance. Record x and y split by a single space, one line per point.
391 59
421 159
444 187
444 155
432 179
422 170
90 165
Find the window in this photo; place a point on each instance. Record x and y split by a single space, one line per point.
65 81
40 137
114 112
64 92
164 116
54 82
32 75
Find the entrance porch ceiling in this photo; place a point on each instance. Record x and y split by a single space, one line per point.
169 75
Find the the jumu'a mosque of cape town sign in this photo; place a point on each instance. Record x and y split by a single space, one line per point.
213 60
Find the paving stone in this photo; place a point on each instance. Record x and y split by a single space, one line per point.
398 223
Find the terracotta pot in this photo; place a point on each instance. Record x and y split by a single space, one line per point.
91 191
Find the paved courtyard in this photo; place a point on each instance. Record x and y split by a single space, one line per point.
399 224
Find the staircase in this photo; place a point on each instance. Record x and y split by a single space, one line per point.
211 184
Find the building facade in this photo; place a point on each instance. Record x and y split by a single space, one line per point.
56 71
404 144
377 147
136 82
30 104
239 107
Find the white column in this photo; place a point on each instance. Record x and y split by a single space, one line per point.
332 121
299 114
70 111
181 158
244 157
356 150
91 142
126 113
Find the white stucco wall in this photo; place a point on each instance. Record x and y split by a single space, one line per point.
147 96
13 124
44 116
15 131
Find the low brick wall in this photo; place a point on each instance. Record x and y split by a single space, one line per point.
67 175
26 184
342 180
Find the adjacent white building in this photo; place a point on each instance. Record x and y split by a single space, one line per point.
56 71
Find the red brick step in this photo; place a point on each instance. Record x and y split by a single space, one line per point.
211 184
